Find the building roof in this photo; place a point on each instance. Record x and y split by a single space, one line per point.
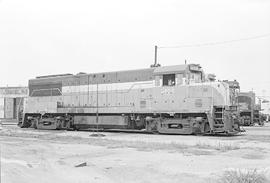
13 91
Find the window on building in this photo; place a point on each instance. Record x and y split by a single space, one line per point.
168 79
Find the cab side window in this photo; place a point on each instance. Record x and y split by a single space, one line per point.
168 80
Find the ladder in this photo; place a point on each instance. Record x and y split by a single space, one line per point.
218 116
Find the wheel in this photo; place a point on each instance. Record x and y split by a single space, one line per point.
236 127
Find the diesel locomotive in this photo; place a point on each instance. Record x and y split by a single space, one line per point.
167 100
248 109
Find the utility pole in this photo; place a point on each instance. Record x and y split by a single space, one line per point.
155 55
155 58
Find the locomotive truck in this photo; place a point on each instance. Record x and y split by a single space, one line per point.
167 100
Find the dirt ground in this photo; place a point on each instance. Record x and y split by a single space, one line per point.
29 155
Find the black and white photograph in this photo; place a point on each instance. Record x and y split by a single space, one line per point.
125 91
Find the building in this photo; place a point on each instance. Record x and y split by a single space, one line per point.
11 101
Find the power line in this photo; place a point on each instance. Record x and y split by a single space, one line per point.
218 42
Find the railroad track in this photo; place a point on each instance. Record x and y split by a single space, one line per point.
5 122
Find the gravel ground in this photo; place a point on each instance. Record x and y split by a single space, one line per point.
29 155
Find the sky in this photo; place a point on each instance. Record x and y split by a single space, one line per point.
64 36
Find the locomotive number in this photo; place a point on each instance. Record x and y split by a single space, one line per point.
167 91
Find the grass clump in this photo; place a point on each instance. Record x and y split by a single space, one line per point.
247 176
224 147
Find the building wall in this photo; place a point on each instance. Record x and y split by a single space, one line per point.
11 101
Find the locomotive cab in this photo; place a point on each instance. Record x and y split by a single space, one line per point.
178 75
191 105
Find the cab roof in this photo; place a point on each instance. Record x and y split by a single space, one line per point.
175 69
